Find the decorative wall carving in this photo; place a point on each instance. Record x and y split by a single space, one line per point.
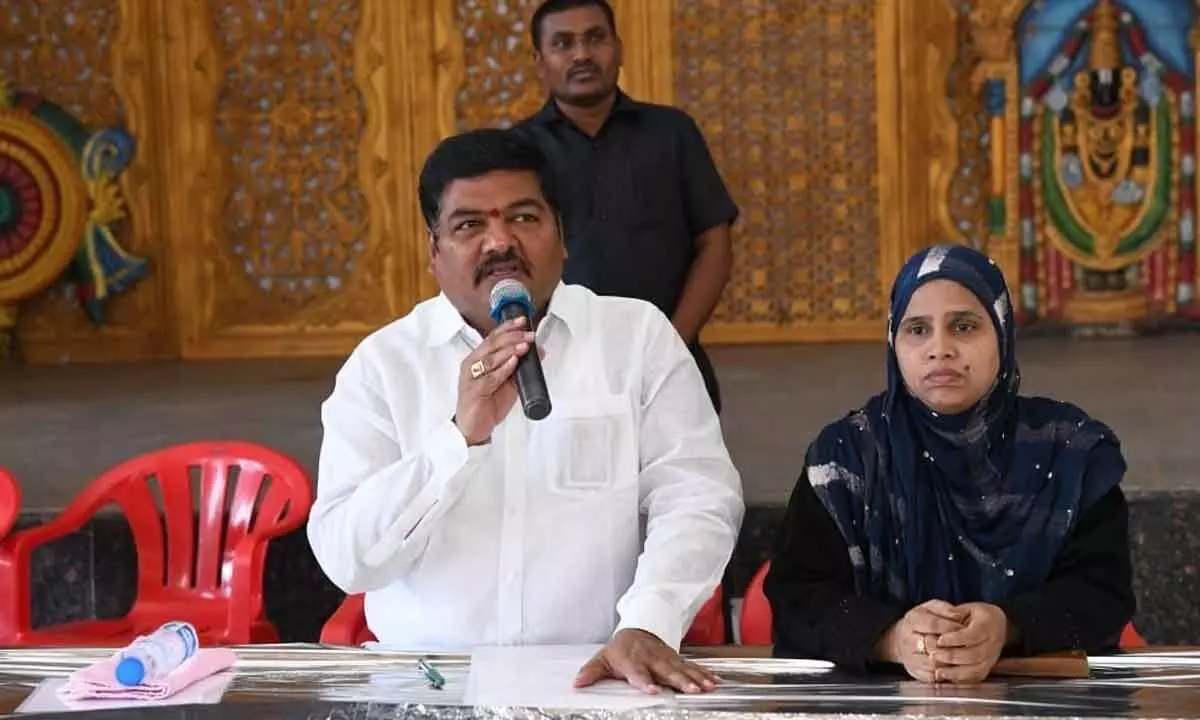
289 118
88 56
966 194
786 94
288 175
500 85
278 147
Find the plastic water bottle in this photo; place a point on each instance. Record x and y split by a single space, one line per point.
154 655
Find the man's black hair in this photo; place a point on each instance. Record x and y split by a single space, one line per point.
475 153
550 7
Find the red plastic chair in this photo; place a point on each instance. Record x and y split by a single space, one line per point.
209 574
1131 639
708 627
348 624
755 623
756 616
10 501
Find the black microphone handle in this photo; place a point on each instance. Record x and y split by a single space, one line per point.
531 382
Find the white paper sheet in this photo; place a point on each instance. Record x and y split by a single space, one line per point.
44 697
544 676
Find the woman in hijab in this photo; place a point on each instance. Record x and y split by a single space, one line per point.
950 520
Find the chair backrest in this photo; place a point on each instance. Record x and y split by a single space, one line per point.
708 627
755 624
247 495
1131 639
348 624
10 501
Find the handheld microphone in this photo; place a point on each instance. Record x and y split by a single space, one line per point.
510 299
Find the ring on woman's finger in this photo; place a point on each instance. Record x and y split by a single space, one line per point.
921 648
477 369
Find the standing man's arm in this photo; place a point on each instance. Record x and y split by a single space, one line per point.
706 281
710 215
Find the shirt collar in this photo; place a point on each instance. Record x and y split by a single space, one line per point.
567 305
550 112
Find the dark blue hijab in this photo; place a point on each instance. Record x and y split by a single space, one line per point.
967 507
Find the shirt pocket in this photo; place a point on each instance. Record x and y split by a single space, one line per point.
587 447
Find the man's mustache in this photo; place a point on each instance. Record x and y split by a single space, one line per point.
491 261
583 67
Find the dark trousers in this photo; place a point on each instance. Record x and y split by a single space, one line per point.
708 373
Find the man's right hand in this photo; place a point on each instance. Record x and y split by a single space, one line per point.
486 386
913 639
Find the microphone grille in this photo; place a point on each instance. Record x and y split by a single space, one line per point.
509 290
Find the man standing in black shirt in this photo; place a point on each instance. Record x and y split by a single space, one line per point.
646 214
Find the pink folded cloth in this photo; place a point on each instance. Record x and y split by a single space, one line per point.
99 681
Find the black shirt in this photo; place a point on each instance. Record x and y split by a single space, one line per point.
634 198
816 613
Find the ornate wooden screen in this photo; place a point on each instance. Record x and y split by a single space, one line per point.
788 95
292 162
278 145
90 57
798 103
273 186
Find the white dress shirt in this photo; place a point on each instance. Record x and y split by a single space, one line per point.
534 537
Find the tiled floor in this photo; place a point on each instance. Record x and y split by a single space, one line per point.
60 426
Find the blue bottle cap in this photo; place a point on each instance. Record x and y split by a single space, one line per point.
130 671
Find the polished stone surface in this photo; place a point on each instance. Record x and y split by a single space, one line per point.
61 580
1164 535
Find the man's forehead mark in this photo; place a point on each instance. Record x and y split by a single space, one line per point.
496 212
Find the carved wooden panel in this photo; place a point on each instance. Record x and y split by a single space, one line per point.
88 56
61 51
487 58
967 192
288 120
279 143
500 86
786 93
289 176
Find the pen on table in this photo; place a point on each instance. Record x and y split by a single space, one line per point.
432 676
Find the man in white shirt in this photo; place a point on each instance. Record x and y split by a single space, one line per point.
467 524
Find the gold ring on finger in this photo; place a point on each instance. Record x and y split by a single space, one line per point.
477 369
921 649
